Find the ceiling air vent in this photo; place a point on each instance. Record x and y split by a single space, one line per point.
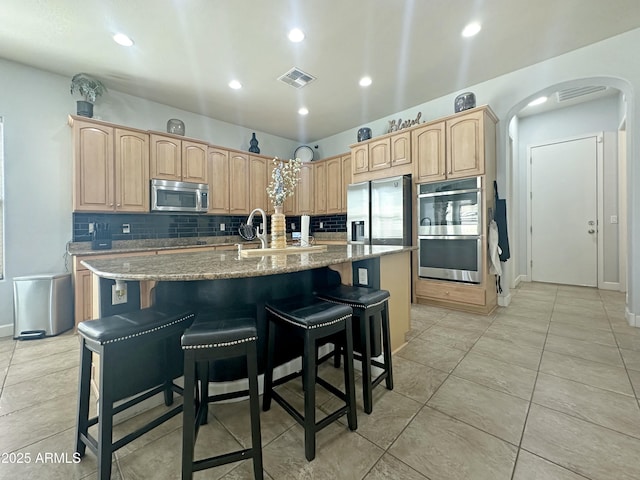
570 93
296 78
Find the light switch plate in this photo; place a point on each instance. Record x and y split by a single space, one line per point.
222 226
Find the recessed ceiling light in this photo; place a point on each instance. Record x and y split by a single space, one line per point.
122 39
296 35
471 29
365 81
303 111
235 84
537 101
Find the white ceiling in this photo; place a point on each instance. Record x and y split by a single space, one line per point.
186 51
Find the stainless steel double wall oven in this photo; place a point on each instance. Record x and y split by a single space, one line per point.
450 230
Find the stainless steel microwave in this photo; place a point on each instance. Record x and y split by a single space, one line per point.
186 197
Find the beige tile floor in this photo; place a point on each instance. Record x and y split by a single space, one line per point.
544 389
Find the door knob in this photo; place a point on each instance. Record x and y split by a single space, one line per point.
591 230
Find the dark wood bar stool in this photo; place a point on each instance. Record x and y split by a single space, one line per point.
223 335
139 352
315 322
371 316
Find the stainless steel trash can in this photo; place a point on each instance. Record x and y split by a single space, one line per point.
42 305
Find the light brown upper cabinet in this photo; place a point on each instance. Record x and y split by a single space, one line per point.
347 176
335 184
258 168
455 147
175 159
320 187
379 154
239 182
360 158
111 168
428 145
400 149
305 191
218 170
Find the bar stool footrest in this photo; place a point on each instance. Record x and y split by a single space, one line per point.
211 462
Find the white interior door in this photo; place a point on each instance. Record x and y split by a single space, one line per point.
564 223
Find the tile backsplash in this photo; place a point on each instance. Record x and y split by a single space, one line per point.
163 225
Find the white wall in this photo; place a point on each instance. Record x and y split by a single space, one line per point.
603 63
38 164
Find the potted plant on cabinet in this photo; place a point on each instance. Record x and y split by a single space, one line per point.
90 89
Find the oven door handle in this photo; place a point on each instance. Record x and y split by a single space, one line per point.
449 237
448 193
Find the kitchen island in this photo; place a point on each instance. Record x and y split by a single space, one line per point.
210 280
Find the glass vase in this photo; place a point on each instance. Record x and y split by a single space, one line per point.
278 228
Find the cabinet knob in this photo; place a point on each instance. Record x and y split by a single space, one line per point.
111 204
446 293
118 205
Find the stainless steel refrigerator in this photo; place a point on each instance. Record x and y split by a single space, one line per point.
379 212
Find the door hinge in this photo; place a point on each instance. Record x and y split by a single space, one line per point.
531 263
530 229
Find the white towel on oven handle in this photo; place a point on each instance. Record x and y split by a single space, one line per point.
494 250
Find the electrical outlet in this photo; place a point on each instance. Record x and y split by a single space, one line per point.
321 224
126 228
222 227
614 218
363 276
118 296
91 227
293 226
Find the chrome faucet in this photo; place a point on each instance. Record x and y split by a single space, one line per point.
262 236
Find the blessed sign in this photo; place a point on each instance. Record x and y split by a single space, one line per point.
394 125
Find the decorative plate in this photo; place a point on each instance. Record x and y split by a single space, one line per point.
304 153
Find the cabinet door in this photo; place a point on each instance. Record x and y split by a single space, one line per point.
360 158
428 152
379 154
131 171
320 188
194 162
400 149
238 183
83 291
346 180
258 183
165 161
334 185
465 145
93 171
218 171
305 195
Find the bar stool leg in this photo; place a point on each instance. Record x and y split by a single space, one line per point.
386 345
308 375
349 378
365 340
84 391
188 415
268 372
254 405
203 372
105 414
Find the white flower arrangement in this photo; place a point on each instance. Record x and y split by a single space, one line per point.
284 178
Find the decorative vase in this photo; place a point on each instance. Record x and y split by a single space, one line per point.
254 144
464 101
278 228
175 126
84 108
364 134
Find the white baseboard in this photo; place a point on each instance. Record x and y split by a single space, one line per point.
632 318
6 330
504 300
610 286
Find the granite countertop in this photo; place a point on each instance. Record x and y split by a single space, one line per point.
129 246
212 265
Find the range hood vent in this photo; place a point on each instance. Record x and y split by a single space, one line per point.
296 78
571 93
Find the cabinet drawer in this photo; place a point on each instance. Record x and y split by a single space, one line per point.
451 292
